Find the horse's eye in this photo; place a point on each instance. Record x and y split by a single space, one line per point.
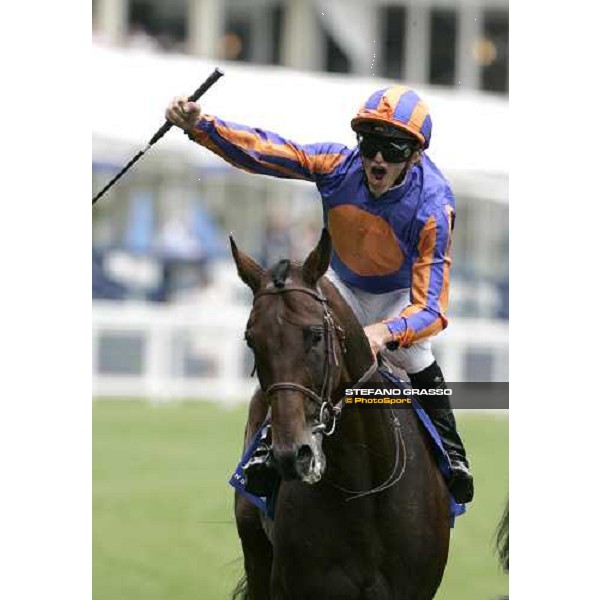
312 336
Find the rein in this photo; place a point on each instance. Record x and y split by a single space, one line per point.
392 478
323 400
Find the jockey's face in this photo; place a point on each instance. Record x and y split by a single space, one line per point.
381 175
384 160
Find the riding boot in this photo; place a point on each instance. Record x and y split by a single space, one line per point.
460 483
261 475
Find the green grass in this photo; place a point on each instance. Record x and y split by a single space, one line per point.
473 572
163 524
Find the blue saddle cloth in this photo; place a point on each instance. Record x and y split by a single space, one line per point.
441 455
238 479
267 504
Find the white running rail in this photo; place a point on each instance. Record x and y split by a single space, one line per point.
174 352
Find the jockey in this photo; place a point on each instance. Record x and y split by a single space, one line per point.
390 213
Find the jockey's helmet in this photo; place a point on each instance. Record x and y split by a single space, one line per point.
394 112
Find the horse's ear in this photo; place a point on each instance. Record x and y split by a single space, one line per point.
316 264
249 271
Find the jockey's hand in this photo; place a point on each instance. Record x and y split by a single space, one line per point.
378 335
182 113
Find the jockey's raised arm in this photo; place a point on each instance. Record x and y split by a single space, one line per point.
267 153
259 151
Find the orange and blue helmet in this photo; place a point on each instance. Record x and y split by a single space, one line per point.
393 111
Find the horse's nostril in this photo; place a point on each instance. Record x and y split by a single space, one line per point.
294 464
304 458
286 464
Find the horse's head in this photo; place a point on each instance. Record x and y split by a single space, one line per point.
297 347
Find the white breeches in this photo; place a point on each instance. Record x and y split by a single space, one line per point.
373 308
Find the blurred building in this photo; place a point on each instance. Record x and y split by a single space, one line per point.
458 43
161 233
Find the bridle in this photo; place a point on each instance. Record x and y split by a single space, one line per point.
328 411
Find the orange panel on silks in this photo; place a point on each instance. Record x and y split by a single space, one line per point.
365 242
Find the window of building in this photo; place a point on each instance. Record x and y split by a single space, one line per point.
276 28
442 46
253 33
493 51
336 60
235 43
393 27
157 26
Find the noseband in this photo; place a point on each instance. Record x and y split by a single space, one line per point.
328 411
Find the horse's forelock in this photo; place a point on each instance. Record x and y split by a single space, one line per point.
280 272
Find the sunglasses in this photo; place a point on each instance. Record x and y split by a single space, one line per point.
393 151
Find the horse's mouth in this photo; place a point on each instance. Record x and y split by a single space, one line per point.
307 464
316 465
315 470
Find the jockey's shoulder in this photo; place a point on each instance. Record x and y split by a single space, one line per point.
437 192
434 178
436 203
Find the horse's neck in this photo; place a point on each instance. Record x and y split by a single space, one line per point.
369 429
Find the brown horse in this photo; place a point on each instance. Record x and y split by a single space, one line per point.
362 512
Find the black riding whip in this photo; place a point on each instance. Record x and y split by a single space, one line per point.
211 79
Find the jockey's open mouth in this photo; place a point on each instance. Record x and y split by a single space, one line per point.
382 175
379 172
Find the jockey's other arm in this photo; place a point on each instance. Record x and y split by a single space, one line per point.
425 316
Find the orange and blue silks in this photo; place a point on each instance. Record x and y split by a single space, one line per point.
397 241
